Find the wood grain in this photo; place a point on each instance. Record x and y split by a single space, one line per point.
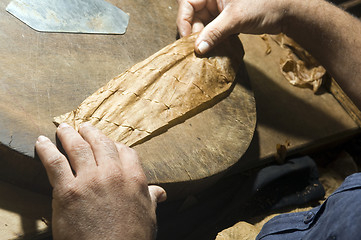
287 115
45 75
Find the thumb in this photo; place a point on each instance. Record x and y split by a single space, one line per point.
212 34
157 194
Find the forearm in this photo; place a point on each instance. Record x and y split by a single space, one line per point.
333 37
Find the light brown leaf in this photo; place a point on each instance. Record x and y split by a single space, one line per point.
160 89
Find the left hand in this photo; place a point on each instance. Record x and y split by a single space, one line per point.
99 190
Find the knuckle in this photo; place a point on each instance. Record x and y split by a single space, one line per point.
113 179
106 142
214 34
112 173
138 177
116 173
68 193
79 147
55 161
71 193
103 141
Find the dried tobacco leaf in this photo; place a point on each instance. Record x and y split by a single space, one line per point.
296 72
300 68
160 89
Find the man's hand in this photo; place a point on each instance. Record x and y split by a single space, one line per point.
99 189
217 19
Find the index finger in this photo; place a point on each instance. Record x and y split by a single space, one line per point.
56 165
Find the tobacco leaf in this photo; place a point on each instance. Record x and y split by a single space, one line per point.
296 72
300 68
158 90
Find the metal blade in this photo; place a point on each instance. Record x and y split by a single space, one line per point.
74 16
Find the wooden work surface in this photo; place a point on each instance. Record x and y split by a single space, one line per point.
48 74
285 114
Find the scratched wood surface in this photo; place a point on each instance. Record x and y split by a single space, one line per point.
285 114
48 74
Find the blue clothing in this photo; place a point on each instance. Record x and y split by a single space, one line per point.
339 217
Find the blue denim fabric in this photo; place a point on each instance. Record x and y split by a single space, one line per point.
339 217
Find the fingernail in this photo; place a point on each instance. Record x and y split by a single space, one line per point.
203 47
42 138
63 125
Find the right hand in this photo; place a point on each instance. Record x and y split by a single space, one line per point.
217 19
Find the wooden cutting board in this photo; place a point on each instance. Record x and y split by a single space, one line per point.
47 74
